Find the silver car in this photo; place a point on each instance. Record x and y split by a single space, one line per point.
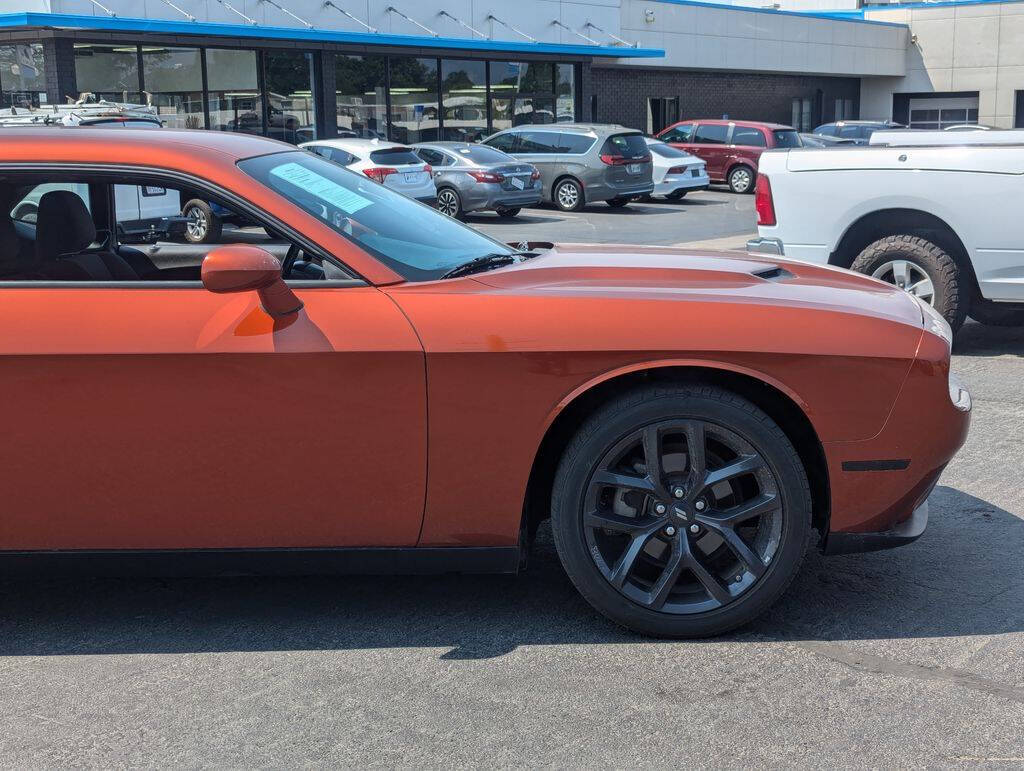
582 163
472 177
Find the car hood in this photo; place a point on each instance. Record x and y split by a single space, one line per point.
674 273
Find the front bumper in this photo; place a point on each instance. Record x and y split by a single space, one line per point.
766 246
903 533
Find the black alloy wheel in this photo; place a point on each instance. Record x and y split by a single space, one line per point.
690 522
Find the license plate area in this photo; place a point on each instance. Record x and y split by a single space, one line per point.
633 168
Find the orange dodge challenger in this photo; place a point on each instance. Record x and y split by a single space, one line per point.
351 382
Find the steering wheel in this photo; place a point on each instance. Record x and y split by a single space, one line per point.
289 260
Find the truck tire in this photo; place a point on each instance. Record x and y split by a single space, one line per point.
921 268
997 314
203 226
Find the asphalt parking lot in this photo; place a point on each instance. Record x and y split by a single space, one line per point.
708 214
910 658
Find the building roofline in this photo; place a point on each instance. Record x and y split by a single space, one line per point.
830 15
261 32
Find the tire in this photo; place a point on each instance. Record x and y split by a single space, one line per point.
993 314
676 195
617 203
509 213
204 227
449 202
921 261
660 409
568 195
741 179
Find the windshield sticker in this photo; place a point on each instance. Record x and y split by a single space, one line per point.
323 188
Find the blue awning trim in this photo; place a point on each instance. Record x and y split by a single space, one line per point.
254 32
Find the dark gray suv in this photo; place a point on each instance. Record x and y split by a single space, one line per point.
582 163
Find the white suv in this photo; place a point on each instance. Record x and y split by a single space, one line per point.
393 165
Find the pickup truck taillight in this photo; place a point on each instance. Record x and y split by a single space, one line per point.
763 201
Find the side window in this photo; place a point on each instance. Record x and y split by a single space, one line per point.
749 137
136 230
26 205
683 133
503 142
433 157
828 130
574 143
544 142
711 134
850 132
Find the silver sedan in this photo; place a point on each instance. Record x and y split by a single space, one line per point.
471 177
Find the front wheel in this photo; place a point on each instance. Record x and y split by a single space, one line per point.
681 511
568 195
920 268
741 180
508 213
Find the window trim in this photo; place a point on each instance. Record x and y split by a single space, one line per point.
199 184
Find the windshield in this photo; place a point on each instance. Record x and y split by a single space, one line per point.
396 156
412 239
787 138
626 145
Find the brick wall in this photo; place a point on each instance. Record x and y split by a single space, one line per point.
622 94
59 62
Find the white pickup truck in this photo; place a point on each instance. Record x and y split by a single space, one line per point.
936 213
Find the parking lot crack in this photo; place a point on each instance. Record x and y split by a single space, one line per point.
879 665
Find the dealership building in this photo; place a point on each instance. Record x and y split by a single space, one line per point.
414 70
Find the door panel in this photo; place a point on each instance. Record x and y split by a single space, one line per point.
163 418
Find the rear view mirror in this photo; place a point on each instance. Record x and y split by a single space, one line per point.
241 268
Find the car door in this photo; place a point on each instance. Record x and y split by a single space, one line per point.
711 144
158 415
745 145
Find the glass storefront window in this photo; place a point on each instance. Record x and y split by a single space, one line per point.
565 92
360 94
414 103
174 78
521 92
464 99
234 97
22 75
108 71
289 87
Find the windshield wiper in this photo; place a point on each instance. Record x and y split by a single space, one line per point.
488 261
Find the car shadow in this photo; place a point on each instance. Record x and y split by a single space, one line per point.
975 339
963 577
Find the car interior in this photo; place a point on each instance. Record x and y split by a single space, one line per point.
74 230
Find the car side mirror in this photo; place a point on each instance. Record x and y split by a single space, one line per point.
241 268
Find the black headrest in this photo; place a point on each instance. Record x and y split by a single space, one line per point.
63 225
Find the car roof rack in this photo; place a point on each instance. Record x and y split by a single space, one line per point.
930 138
83 110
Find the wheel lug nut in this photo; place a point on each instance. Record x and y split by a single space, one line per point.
660 508
670 530
678 492
694 528
700 505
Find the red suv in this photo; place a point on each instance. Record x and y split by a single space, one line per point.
730 148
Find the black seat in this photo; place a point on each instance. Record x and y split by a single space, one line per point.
64 230
16 258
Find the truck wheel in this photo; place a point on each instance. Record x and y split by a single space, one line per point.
919 267
997 314
741 180
681 511
202 225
